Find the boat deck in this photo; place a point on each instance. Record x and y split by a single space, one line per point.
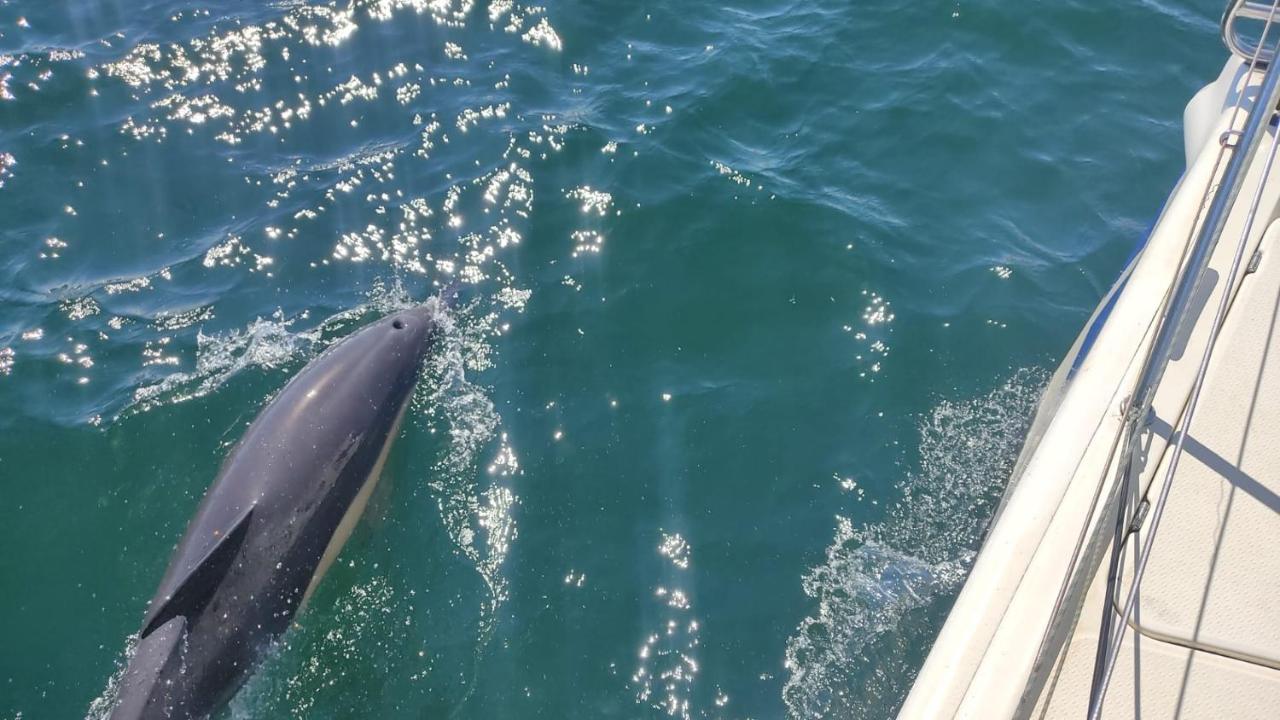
1207 618
1203 640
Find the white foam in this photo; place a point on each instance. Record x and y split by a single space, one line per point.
478 519
100 708
462 231
850 657
265 343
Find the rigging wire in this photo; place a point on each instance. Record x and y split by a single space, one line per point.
1107 661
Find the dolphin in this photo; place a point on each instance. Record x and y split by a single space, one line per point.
274 520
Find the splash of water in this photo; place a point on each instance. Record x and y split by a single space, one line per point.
877 585
266 343
478 519
223 86
101 706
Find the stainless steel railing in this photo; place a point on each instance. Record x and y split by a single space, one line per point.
1233 36
1242 148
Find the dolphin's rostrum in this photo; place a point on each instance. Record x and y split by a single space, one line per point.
273 521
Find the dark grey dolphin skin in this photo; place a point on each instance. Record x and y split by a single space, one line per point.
279 511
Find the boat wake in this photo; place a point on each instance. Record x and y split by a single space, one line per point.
881 589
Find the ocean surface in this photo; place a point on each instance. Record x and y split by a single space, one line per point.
756 301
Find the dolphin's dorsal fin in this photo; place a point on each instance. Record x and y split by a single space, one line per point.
191 590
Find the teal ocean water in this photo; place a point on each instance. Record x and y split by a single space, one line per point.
757 298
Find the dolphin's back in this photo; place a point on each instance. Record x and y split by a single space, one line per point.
253 547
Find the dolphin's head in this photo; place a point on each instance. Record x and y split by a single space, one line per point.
415 328
406 339
371 372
